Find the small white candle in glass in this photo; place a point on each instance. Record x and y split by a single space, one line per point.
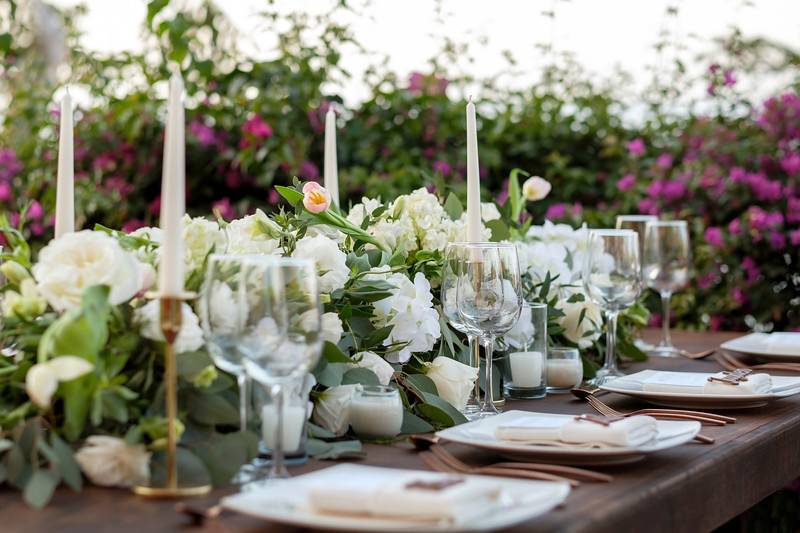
564 369
376 412
526 368
524 350
294 424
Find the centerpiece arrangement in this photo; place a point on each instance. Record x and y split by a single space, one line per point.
81 372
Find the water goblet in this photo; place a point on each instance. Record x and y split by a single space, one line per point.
489 299
666 263
612 279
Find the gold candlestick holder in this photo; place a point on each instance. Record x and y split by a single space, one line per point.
171 318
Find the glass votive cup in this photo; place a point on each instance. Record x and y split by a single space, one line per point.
376 412
564 369
296 412
524 354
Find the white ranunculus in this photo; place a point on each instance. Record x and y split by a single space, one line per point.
112 462
331 327
253 234
575 329
535 188
42 379
332 410
377 364
330 260
200 237
189 339
454 381
78 260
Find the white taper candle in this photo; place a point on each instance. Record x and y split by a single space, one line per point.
331 165
474 228
65 181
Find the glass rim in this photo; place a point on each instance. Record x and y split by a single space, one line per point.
377 390
564 349
638 218
609 232
482 244
668 223
533 305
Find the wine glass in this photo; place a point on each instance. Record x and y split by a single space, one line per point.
282 340
612 278
451 270
666 270
489 299
638 223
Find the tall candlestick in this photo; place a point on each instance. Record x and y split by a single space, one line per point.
173 196
474 229
65 181
331 166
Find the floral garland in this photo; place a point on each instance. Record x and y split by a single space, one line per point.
81 365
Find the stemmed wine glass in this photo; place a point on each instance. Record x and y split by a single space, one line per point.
489 299
666 270
222 329
612 278
638 223
282 340
452 269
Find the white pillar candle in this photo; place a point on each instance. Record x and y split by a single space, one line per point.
294 419
526 368
564 373
376 416
173 194
474 229
65 181
331 164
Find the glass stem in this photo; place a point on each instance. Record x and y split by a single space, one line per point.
611 342
475 362
488 392
242 379
666 338
278 470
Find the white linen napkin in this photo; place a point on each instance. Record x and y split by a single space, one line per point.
630 432
691 383
414 496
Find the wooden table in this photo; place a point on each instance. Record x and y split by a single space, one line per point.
693 487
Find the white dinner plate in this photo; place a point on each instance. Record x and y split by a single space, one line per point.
685 400
780 346
285 502
480 433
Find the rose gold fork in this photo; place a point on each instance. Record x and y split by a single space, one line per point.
730 362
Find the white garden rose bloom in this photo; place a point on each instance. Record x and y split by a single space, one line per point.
189 339
332 410
253 234
200 237
42 379
574 328
489 212
330 260
375 363
78 260
453 380
535 188
112 462
223 313
522 334
326 231
331 327
360 211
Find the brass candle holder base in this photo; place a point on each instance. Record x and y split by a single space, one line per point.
171 318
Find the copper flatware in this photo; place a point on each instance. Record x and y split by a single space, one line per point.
697 355
731 362
198 515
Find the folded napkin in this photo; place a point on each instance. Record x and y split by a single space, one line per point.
417 496
692 383
630 432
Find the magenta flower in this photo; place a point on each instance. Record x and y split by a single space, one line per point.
713 236
648 206
735 227
794 237
738 296
416 82
664 161
10 166
119 185
36 211
707 280
6 193
308 171
738 175
224 208
154 207
793 210
205 135
716 322
556 211
752 272
729 78
636 147
790 163
777 240
132 225
273 197
442 167
626 182
256 127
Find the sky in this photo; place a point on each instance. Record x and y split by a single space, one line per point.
602 34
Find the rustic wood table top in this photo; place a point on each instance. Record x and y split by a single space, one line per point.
693 487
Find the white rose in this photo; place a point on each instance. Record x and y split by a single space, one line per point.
454 381
523 331
535 188
222 312
331 327
574 328
253 234
200 237
360 211
112 462
190 337
330 260
332 410
489 212
325 231
377 364
42 379
81 259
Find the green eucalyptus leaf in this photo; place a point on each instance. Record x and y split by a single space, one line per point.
70 471
348 449
39 488
212 409
413 424
364 376
333 354
453 207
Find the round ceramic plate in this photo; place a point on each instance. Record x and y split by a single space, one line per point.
697 401
758 344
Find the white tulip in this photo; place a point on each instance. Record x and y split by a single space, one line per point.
112 462
42 379
377 364
332 410
453 380
535 188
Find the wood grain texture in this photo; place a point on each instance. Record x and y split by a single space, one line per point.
690 488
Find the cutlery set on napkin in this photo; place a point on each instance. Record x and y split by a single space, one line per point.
586 431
